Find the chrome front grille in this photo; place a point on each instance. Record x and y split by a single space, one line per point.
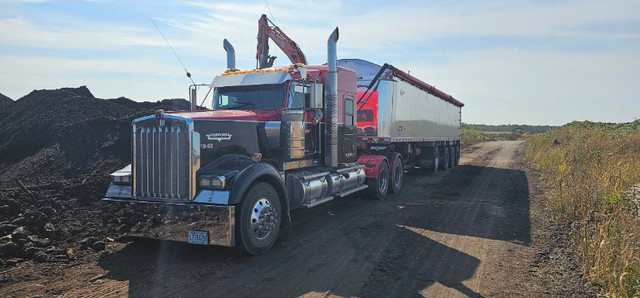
161 160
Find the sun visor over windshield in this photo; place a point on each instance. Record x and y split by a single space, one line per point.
250 79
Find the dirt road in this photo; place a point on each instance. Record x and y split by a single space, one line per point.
464 232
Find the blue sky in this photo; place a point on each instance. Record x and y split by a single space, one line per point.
535 62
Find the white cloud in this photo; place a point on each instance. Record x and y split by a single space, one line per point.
74 35
527 86
546 82
24 1
140 78
426 22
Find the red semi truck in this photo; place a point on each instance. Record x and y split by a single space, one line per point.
278 139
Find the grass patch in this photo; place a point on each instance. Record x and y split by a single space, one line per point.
590 167
471 136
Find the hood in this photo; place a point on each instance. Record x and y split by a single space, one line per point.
234 115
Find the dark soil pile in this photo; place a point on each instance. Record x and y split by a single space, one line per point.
5 101
57 148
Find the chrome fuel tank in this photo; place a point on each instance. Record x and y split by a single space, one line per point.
306 188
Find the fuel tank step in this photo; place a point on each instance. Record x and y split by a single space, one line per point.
317 202
353 190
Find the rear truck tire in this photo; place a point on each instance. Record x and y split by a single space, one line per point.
452 157
258 223
456 149
378 187
445 159
435 160
397 173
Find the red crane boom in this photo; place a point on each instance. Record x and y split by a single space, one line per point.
266 30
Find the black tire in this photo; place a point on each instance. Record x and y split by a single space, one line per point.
378 187
456 149
397 173
435 160
258 219
452 157
444 159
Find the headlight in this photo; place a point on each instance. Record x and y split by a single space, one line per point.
213 182
122 179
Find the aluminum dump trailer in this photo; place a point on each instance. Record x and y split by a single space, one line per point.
405 118
402 108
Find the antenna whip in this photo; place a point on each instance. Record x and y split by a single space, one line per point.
174 52
271 13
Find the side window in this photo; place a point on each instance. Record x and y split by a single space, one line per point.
297 97
223 100
348 113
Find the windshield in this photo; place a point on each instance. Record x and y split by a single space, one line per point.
258 97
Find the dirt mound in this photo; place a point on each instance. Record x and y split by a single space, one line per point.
57 148
5 100
167 104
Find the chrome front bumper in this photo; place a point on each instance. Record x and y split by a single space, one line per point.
171 220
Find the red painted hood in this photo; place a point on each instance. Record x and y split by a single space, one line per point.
237 115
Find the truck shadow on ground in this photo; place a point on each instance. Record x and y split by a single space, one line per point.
493 206
348 247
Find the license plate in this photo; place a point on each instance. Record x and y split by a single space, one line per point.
198 237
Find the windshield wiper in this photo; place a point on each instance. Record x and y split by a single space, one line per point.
241 105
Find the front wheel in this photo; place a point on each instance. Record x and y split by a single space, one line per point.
258 223
379 186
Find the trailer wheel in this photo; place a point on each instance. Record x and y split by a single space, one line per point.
258 223
435 160
452 157
397 173
445 159
378 187
456 149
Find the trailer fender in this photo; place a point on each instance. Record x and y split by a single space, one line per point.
371 164
241 173
391 157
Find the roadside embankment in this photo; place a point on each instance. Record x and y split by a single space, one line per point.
590 169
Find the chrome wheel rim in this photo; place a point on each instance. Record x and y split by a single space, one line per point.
383 181
264 218
397 175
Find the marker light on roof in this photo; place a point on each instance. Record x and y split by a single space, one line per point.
277 69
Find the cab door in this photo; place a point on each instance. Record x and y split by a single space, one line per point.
347 137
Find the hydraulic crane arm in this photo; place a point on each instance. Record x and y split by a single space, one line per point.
266 30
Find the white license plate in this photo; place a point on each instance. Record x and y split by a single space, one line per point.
198 237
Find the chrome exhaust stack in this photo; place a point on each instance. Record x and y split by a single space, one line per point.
331 101
231 55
